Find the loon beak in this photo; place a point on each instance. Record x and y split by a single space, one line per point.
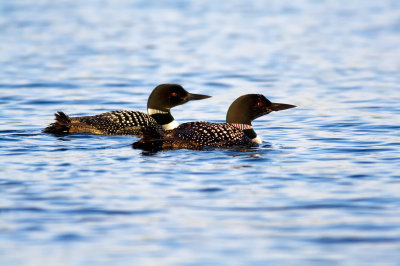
280 106
192 96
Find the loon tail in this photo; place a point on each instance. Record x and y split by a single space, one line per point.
151 141
152 145
61 126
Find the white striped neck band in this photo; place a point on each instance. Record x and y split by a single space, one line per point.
242 126
152 111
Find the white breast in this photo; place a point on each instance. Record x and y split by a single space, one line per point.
170 125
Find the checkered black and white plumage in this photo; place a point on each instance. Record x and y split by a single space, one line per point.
198 135
111 123
120 122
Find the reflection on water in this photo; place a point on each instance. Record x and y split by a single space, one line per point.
323 187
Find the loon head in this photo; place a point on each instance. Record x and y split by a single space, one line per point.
248 107
166 96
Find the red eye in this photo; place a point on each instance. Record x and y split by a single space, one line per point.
259 104
174 94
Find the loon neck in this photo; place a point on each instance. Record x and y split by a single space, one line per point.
248 131
163 118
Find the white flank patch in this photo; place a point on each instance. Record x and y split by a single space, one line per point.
257 140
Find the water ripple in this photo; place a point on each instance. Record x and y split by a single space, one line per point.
323 187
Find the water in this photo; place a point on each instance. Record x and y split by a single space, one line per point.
322 189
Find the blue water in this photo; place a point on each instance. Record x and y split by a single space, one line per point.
323 188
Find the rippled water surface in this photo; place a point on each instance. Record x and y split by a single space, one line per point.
323 188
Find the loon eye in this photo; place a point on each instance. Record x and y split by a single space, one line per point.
259 104
174 94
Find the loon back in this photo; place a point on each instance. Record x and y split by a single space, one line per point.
199 135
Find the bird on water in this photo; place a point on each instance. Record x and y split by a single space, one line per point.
236 132
126 122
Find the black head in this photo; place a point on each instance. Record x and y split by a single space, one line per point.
248 107
167 96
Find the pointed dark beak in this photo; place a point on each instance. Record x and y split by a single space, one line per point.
192 96
280 106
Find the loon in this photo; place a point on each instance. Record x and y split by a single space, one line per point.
236 132
126 122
